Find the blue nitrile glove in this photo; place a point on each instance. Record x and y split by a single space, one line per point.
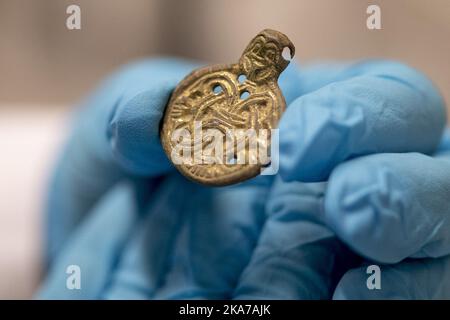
369 133
137 229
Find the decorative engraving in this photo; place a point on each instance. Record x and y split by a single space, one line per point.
227 98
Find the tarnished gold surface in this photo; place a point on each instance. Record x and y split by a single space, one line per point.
212 96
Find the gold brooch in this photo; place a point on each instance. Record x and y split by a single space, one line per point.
220 118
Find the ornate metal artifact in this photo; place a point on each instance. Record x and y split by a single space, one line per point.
227 99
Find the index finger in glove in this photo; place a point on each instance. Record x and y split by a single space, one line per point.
387 107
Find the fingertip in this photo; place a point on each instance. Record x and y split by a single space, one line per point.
367 205
388 207
385 107
133 128
133 131
317 133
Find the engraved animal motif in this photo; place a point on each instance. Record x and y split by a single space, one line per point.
226 98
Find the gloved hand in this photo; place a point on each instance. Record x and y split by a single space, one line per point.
137 229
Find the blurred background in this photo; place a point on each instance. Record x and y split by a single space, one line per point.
46 68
